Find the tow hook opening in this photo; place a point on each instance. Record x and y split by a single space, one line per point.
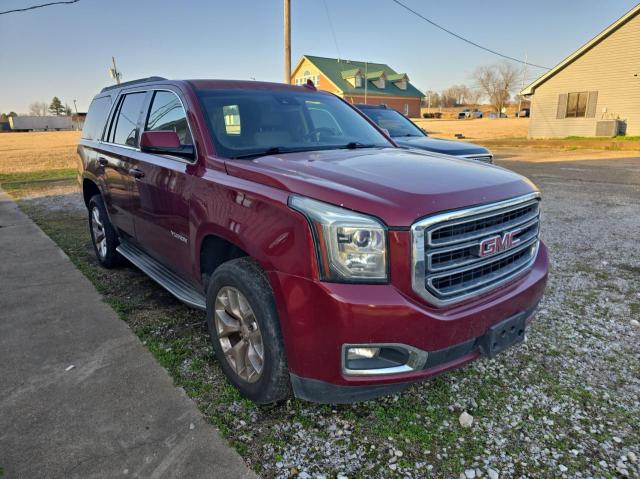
376 359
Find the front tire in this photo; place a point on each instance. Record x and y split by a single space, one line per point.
245 331
103 234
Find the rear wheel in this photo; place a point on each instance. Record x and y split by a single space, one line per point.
103 234
245 331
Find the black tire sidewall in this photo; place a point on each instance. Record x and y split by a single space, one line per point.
246 276
112 257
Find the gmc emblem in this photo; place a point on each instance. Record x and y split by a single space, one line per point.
498 243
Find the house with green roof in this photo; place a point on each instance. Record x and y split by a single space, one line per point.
360 82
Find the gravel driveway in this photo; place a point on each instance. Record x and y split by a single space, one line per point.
563 404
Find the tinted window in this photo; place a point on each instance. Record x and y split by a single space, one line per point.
167 114
125 131
393 122
250 122
97 115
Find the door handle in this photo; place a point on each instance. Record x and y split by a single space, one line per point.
136 173
103 161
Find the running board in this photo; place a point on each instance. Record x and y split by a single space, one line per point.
162 275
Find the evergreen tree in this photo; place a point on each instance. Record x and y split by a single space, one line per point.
56 107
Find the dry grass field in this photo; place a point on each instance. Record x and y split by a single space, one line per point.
38 151
477 129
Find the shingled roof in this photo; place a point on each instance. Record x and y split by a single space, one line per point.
338 71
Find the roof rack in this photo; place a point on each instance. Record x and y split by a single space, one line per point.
132 82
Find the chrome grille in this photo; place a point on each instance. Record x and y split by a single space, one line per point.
447 263
483 158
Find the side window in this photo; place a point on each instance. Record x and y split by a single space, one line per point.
167 114
124 130
231 115
96 117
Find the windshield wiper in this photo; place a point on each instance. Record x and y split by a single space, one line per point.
274 150
356 144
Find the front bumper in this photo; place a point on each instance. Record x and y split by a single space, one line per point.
318 318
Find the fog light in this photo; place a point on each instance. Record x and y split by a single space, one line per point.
364 359
362 353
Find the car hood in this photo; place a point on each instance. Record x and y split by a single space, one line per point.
448 147
394 184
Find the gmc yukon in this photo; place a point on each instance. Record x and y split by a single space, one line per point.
330 262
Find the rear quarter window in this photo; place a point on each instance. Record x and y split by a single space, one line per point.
96 118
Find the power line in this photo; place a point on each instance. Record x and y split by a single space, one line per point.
333 32
465 39
67 2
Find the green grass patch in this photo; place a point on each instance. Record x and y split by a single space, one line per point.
35 176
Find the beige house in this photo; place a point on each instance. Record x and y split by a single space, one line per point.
595 91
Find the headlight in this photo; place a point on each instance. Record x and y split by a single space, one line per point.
351 246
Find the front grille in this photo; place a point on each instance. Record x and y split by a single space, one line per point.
483 158
468 252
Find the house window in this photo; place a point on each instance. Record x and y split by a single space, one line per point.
577 104
406 109
308 76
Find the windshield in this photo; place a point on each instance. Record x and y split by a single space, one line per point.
395 123
250 123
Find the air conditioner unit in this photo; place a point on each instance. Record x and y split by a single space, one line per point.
611 128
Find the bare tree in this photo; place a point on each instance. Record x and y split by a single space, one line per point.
457 95
497 82
38 108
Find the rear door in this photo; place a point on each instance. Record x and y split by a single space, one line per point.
161 191
115 156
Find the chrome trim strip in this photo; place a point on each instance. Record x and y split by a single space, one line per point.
418 263
417 360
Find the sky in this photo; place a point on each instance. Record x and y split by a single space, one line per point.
66 50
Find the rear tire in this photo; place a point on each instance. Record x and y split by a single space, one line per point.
103 234
245 331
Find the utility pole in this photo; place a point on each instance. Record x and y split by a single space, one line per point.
524 75
113 71
366 81
75 105
287 41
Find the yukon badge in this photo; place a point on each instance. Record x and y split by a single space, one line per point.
180 237
497 244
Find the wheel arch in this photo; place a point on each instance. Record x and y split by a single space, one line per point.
89 190
215 250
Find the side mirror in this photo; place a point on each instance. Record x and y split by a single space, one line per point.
165 143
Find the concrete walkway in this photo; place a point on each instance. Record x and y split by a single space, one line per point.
116 413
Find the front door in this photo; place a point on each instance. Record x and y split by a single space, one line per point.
161 190
115 157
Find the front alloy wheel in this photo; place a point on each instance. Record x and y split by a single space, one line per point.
245 331
239 334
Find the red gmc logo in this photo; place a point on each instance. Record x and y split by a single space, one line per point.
498 243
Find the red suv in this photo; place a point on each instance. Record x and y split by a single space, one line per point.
329 261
